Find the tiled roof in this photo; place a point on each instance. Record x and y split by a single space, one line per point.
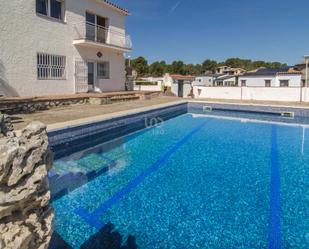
179 76
126 11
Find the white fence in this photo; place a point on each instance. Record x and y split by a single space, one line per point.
151 88
289 94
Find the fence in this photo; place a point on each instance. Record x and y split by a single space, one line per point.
288 94
148 87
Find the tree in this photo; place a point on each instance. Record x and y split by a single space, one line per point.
209 65
157 69
140 64
177 67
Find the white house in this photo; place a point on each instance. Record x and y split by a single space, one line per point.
62 46
204 80
178 85
229 70
264 77
226 80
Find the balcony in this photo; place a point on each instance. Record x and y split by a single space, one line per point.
91 35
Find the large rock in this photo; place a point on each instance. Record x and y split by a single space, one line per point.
26 218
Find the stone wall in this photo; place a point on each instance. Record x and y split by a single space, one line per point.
17 107
26 218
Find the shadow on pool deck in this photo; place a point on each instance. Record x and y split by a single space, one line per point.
106 238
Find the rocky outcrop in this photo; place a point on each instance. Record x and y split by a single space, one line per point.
26 217
6 126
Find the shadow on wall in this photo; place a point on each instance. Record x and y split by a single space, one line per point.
5 88
106 238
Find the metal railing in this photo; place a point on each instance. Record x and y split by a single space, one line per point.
96 33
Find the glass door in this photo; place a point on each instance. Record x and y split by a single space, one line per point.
101 29
90 27
91 74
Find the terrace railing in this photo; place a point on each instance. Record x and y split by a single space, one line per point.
96 33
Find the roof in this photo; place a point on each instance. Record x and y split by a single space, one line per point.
179 76
113 5
271 72
226 77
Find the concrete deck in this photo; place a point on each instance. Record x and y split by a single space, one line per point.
71 115
67 116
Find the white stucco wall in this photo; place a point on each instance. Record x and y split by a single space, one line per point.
186 89
155 88
203 81
288 94
23 34
259 81
217 92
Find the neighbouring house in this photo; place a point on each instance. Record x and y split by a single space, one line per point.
62 47
204 80
178 85
264 77
229 70
226 80
302 67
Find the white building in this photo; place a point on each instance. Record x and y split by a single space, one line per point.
178 85
62 46
229 70
271 78
226 80
204 80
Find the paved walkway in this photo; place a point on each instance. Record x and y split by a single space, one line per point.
70 115
76 112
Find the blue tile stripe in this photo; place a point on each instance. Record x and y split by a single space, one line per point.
274 230
93 218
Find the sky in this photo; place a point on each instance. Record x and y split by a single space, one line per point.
195 30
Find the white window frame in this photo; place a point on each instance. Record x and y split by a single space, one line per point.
51 67
267 81
288 81
49 10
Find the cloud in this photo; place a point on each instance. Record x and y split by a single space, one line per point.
175 6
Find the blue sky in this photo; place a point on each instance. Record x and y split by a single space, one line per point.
195 30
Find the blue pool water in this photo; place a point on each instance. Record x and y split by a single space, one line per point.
196 181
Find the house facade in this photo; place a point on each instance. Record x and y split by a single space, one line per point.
58 47
178 85
229 70
226 80
271 78
203 80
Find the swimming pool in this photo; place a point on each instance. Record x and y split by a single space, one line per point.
198 180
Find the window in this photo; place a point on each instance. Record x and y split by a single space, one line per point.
267 83
52 8
41 7
304 83
103 70
50 67
243 82
96 28
284 83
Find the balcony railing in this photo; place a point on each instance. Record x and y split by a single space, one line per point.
99 34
